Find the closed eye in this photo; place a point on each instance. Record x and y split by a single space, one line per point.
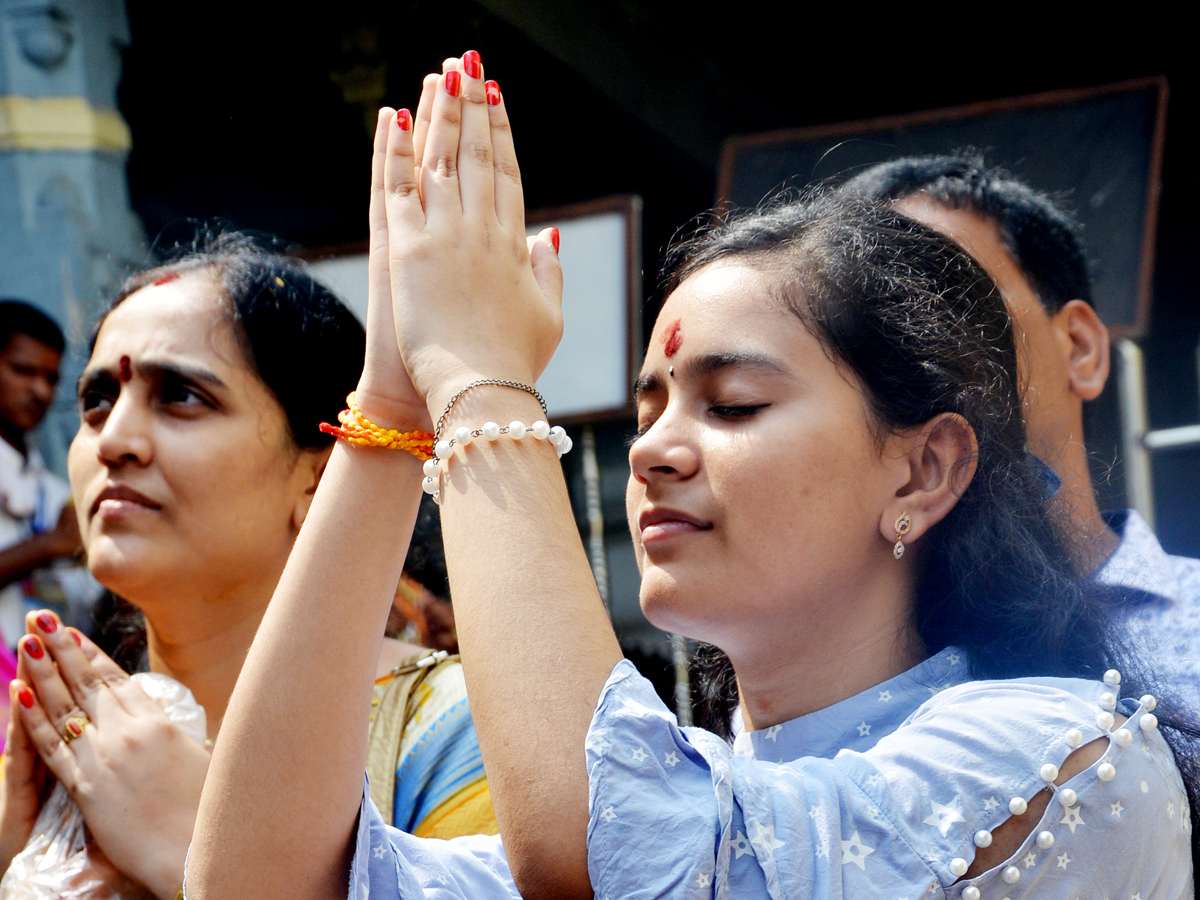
737 412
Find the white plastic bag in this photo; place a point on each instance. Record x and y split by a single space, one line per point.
60 861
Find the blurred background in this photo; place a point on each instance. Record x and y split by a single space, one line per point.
122 121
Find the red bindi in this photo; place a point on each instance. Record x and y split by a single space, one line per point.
165 278
126 369
673 338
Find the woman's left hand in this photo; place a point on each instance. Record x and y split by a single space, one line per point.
135 775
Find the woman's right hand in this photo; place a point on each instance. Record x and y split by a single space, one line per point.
471 298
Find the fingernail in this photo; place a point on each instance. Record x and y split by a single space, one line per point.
75 637
493 93
25 697
453 83
46 622
33 647
554 238
404 119
472 64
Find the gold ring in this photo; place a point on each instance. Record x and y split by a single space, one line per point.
74 727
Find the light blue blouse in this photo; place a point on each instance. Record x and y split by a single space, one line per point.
886 794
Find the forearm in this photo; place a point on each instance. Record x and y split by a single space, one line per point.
537 643
300 708
20 559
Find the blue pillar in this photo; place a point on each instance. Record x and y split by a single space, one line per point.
68 235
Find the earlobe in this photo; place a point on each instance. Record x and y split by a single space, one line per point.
941 458
309 469
1088 358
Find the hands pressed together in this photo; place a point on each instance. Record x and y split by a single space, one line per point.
135 775
446 199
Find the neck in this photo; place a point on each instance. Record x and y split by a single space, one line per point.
1076 515
15 438
203 642
844 650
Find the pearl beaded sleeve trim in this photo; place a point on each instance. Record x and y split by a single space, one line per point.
490 431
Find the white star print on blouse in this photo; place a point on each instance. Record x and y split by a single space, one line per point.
818 811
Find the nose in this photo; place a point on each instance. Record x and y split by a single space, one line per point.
43 390
125 436
666 451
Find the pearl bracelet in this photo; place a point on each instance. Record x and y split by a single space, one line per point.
443 450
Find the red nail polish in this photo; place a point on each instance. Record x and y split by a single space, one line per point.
453 83
404 119
493 93
25 696
76 638
554 238
33 647
46 622
472 64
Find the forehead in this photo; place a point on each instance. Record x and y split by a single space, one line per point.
184 320
28 350
981 238
723 305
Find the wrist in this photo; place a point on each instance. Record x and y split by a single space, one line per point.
390 412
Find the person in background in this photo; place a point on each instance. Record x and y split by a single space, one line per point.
37 524
1033 250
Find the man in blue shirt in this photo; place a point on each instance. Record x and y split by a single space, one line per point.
1032 250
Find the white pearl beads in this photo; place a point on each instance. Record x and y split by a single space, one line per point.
1105 721
1149 702
442 449
970 892
490 430
1048 772
1017 806
1045 840
1123 736
983 838
1148 722
1074 737
430 468
463 436
1112 678
958 867
516 430
1108 700
540 429
557 435
1067 797
1106 772
1010 875
429 484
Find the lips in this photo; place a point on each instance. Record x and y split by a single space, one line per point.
119 496
659 523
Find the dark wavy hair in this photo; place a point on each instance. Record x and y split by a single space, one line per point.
296 335
926 332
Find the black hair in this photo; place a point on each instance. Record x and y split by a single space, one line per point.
1039 234
925 332
300 339
19 317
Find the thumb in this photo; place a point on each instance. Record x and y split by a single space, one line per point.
547 268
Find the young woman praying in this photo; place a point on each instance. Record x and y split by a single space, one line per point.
829 483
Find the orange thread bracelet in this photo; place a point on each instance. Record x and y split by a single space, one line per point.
358 429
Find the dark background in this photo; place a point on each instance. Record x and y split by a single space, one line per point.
260 115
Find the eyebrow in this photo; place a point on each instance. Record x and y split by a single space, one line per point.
153 369
713 363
